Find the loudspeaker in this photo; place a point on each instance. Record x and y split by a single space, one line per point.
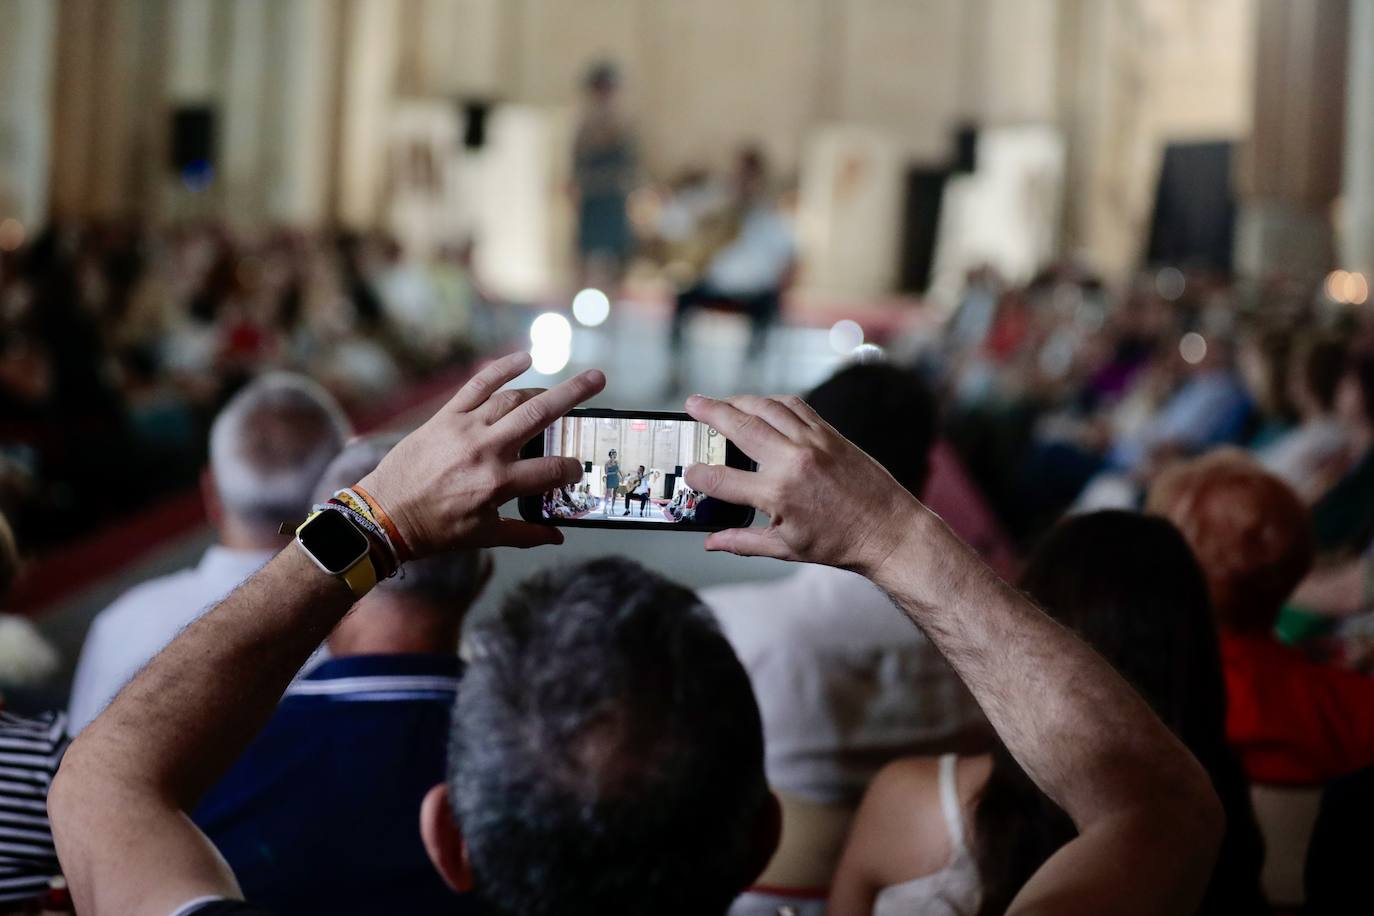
669 484
677 471
1194 222
587 466
925 192
192 146
475 113
965 150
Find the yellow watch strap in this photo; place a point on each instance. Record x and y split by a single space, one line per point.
361 576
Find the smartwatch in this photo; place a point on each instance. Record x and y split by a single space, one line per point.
340 548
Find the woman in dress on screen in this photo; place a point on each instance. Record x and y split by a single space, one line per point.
612 477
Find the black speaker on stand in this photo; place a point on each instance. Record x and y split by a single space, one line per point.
193 145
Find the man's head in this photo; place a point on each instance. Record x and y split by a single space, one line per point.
420 610
268 447
751 171
886 411
1250 532
606 754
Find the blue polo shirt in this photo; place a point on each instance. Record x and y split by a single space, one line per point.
322 812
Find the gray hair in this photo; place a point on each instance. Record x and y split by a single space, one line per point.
606 750
452 578
270 443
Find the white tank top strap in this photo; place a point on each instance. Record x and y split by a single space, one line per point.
949 802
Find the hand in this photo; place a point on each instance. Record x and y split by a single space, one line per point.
442 484
826 500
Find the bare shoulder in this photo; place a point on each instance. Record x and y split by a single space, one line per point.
900 830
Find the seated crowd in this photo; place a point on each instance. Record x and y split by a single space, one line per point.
260 729
119 343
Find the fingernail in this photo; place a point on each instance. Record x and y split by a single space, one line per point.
696 399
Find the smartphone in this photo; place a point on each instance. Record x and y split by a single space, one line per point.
632 466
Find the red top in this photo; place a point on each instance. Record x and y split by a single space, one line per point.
1292 721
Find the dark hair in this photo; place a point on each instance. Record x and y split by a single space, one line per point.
607 752
602 76
1130 587
888 412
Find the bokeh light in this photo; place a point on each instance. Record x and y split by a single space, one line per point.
846 336
550 343
591 307
1193 348
1335 285
1170 284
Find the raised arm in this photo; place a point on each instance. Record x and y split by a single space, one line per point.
1149 824
118 805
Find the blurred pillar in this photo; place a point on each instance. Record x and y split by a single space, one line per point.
370 44
305 36
1290 172
26 88
248 93
1357 191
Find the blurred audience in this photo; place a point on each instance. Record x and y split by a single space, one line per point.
268 447
962 835
374 714
1293 721
118 343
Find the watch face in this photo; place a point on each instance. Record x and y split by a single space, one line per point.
334 542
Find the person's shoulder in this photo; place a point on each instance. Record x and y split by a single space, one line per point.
906 780
146 599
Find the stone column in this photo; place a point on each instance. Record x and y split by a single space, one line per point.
1290 172
1357 187
26 89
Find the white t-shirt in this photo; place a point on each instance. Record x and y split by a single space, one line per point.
845 683
128 633
758 258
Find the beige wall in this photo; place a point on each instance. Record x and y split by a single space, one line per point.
306 86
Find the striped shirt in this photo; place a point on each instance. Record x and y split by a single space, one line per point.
30 750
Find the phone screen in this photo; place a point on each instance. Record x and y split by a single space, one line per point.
632 469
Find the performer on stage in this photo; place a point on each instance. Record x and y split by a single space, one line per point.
612 478
639 490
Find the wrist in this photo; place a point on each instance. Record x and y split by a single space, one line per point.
390 513
907 548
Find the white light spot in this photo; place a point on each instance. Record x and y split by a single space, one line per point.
846 336
1193 348
591 307
1170 283
551 343
1356 288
